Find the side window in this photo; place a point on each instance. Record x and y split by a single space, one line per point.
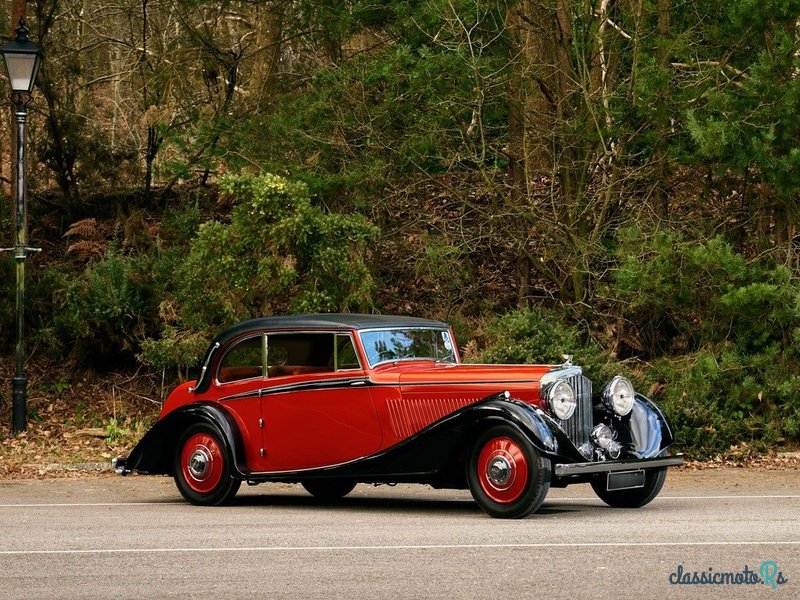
346 357
243 361
302 353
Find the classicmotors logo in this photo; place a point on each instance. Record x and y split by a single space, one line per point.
767 573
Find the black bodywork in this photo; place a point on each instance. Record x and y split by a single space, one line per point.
435 455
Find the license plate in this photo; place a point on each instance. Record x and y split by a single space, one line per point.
625 480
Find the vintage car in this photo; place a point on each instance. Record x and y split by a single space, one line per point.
332 400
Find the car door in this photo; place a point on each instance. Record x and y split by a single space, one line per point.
238 381
315 404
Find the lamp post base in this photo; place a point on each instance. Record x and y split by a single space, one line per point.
19 418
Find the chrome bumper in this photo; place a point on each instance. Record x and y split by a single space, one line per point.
565 470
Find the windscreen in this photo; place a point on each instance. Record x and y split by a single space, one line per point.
390 345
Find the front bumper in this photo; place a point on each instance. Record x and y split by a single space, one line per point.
608 466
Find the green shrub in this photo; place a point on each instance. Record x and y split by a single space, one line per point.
678 295
174 349
722 334
717 398
279 253
538 336
105 314
180 224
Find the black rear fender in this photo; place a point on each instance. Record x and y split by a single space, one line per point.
155 452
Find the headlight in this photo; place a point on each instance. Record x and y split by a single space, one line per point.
618 395
561 398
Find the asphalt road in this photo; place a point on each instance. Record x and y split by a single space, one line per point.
133 537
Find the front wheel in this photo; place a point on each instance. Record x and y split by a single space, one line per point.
328 489
202 467
507 476
633 498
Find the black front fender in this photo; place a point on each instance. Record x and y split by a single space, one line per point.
155 451
646 428
499 409
649 431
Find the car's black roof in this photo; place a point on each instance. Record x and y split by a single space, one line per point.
311 321
325 320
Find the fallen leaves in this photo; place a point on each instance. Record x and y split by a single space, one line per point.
69 428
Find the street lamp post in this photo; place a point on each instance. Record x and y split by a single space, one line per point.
22 59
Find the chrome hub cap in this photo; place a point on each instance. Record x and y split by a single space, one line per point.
499 471
198 464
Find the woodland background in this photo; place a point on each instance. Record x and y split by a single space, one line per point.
614 179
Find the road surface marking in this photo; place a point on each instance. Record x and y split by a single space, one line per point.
395 547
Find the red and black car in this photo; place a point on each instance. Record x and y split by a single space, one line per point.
332 400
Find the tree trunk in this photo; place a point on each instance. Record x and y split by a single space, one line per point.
63 158
62 154
116 62
153 143
153 140
660 157
81 96
331 43
269 35
516 152
18 10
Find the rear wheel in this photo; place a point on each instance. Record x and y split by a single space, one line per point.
507 476
328 489
633 498
202 467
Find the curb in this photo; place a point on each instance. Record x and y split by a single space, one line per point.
84 467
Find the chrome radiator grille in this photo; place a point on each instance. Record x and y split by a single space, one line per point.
579 426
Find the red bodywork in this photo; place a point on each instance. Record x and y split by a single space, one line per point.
353 413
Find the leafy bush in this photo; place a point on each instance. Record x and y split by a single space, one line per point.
678 295
715 398
104 314
718 398
174 349
180 224
279 253
722 335
538 336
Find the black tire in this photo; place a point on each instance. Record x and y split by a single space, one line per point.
634 498
328 489
522 492
213 484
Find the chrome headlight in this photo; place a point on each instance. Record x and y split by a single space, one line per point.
618 395
561 399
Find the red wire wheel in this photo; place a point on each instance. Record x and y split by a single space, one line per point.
202 467
502 469
508 477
